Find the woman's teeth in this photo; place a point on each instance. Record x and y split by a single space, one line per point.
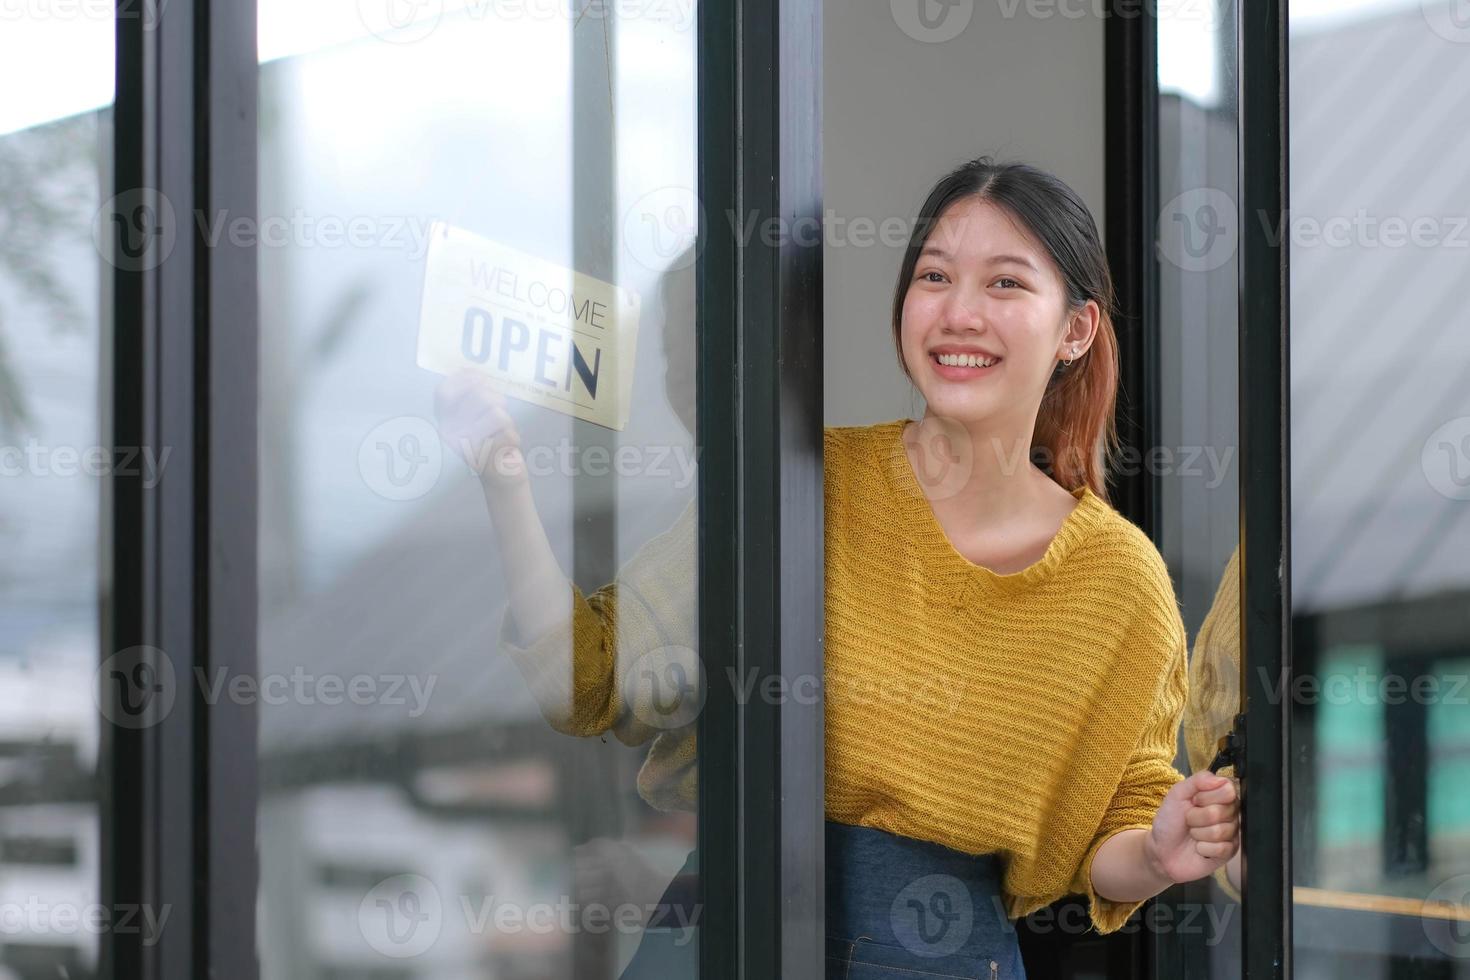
965 360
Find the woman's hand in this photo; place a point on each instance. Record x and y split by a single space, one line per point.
473 421
1197 828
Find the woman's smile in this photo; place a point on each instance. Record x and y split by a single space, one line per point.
963 365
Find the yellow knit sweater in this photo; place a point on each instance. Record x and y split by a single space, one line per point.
1032 714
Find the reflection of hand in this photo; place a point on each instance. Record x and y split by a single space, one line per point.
1197 828
612 874
473 421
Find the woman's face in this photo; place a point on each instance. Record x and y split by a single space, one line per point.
983 287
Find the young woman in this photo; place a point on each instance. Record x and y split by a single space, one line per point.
1005 660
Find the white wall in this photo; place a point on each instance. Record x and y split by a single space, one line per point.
899 113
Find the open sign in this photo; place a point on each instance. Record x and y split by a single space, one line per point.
544 333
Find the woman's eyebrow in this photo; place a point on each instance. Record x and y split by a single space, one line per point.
1020 260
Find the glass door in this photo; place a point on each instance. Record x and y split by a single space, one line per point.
1222 476
1380 479
494 492
479 491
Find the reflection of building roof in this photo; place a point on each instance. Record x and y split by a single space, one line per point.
423 605
1380 357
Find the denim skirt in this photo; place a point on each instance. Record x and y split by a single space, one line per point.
902 909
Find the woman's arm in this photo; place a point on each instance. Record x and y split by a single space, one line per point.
474 423
1196 831
575 651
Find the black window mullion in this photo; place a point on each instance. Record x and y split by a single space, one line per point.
178 778
150 785
716 435
229 370
1265 491
760 431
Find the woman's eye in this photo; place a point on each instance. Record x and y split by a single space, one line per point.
1008 279
932 272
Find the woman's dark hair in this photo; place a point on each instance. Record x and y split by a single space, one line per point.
1075 435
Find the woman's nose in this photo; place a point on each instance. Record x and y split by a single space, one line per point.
964 313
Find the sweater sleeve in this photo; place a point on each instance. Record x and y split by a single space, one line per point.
1147 779
622 660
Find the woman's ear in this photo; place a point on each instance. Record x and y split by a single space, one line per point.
1081 329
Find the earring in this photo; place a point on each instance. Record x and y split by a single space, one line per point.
1069 360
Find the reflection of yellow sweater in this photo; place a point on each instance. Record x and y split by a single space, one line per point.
1214 682
1032 715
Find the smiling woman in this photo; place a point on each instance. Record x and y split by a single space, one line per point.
992 511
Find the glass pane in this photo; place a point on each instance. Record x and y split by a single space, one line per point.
476 227
1380 448
56 69
1196 469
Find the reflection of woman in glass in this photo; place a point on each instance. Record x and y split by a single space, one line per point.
1214 690
619 659
1005 660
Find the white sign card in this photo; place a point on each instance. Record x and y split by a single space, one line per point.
543 333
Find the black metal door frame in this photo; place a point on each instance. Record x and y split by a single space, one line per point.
1265 492
179 794
1264 365
758 303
